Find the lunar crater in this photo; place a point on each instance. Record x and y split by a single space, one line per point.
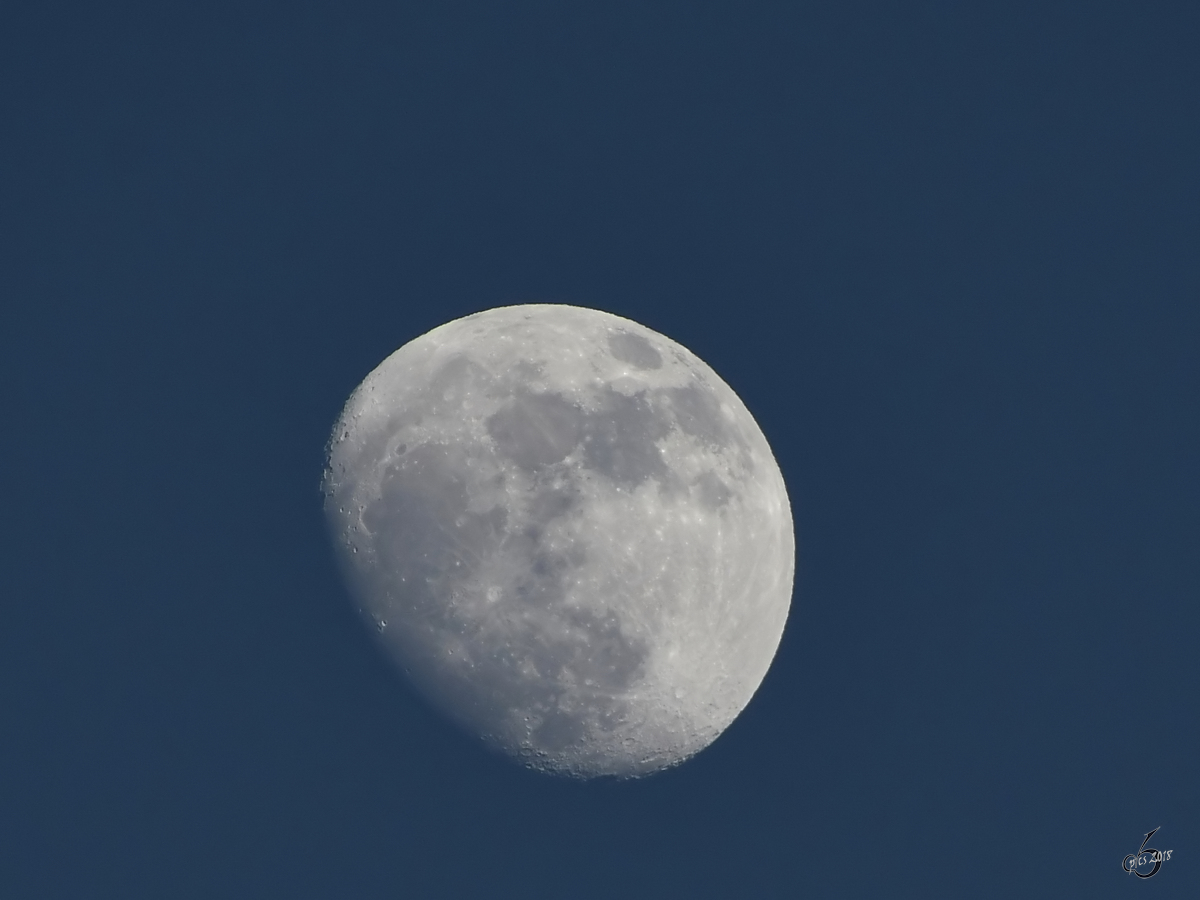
634 349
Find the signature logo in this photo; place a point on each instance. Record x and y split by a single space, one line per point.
1135 862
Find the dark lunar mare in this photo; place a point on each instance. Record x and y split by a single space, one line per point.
634 349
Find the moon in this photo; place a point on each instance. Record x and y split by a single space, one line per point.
568 531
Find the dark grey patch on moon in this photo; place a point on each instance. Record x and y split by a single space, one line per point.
558 731
428 486
452 383
610 661
619 439
712 491
634 349
550 503
543 585
527 371
536 430
597 670
698 414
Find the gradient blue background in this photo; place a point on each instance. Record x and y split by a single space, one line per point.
948 256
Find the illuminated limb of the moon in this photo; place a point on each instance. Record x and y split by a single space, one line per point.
568 531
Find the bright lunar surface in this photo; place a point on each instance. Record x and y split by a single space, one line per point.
568 531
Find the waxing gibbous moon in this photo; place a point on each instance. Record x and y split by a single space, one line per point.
568 531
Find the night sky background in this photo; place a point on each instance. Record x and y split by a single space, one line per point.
947 254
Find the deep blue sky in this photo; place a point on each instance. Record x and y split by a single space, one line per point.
949 256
